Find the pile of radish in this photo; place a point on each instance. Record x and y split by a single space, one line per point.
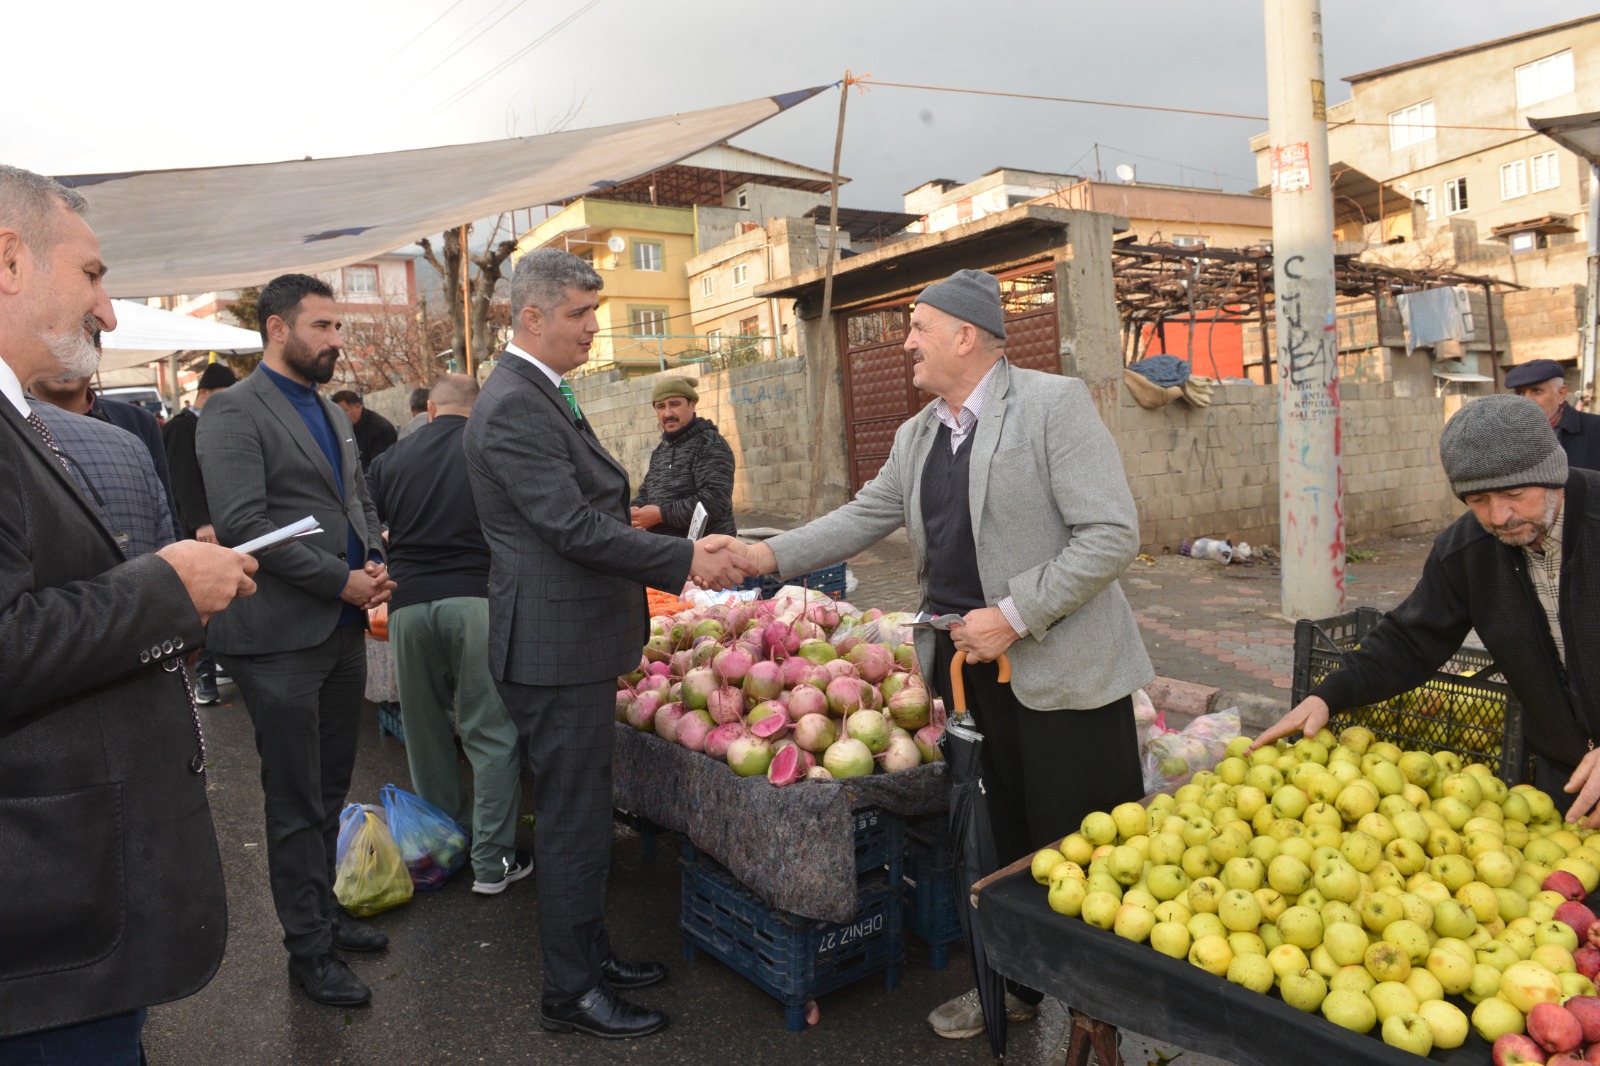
792 689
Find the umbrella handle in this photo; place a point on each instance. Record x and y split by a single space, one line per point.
958 687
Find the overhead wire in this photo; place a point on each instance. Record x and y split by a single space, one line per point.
456 50
420 33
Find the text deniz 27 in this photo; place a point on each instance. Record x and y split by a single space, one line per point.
838 938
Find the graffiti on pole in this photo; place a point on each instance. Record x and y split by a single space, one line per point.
1307 351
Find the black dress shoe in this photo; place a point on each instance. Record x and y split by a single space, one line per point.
327 980
351 935
619 974
599 1012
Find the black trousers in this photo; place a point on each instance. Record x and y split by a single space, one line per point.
1043 770
306 707
567 732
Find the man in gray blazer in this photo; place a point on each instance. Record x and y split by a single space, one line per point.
567 616
111 893
1020 520
273 451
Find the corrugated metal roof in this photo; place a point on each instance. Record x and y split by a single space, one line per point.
728 157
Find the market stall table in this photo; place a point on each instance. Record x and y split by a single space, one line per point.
1133 986
793 846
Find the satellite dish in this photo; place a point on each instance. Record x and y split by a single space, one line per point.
617 244
1125 173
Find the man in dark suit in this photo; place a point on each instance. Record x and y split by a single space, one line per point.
189 495
117 477
72 393
111 893
567 616
374 433
273 451
1544 381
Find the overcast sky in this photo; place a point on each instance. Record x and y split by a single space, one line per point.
109 86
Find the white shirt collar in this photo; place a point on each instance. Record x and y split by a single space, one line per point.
555 379
11 386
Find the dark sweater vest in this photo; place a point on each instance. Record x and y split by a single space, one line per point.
953 582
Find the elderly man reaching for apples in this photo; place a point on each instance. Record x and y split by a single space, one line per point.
1523 570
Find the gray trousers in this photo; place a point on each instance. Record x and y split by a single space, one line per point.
568 734
306 707
442 669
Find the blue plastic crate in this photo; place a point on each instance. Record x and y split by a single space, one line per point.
829 581
880 840
791 958
389 723
930 902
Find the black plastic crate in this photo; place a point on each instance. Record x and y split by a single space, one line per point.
930 901
389 723
1466 707
829 580
931 832
791 958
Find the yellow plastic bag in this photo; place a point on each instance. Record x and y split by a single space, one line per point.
371 875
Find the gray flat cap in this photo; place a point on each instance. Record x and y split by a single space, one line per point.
1501 442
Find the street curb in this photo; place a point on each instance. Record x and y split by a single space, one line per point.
1255 712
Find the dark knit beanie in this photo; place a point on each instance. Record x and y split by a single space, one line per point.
970 295
675 387
1501 442
216 376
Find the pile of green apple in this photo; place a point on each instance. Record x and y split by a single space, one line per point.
1381 887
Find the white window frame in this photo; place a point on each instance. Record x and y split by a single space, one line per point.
1190 240
648 256
741 275
742 198
1513 179
1424 196
714 340
1544 172
1544 79
1455 195
1411 125
708 286
350 273
647 321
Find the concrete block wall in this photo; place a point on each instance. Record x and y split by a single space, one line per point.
762 409
1544 323
1213 471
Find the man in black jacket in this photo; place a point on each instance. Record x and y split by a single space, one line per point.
691 465
1545 383
374 433
1523 569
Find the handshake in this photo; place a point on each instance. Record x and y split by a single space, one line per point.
721 562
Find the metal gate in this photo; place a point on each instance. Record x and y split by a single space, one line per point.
878 394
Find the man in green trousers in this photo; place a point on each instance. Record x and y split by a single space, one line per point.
439 632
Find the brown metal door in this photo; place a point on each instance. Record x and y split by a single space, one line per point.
878 394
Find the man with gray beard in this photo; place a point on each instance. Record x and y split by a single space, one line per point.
1523 570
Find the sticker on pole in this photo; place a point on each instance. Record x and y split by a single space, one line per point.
1291 167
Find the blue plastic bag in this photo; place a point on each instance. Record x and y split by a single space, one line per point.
432 844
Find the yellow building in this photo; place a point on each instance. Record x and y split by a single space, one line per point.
639 251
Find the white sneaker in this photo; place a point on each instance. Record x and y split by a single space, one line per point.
962 1017
515 870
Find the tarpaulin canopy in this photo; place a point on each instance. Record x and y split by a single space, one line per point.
183 231
146 333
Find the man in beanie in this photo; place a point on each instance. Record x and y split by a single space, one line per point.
1020 521
1523 569
189 495
1545 383
691 465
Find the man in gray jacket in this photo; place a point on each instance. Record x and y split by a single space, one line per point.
1020 520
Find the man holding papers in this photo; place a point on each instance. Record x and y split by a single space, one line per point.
273 452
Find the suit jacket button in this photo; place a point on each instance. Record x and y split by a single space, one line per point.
166 647
341 555
178 643
155 651
144 657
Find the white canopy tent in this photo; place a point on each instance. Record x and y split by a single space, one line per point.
1580 134
189 231
145 334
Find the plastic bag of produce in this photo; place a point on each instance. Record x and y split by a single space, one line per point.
890 629
432 845
1172 757
371 876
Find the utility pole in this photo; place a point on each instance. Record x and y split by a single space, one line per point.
1310 472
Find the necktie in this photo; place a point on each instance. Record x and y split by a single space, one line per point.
572 401
49 438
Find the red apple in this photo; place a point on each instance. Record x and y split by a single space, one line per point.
1593 936
1514 1049
1554 1027
1565 883
1592 1056
1587 1010
1587 960
1578 916
1565 1058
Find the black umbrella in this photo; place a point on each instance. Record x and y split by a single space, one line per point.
972 843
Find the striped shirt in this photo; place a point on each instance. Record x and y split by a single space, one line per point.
962 422
1544 570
